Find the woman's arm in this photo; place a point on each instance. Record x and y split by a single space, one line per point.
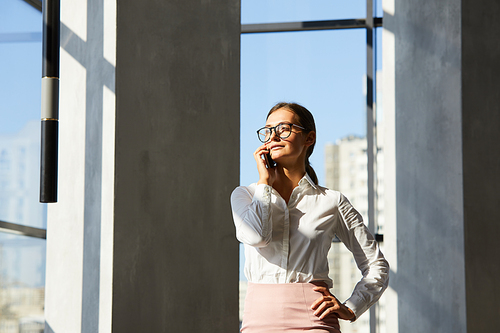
351 230
252 211
252 215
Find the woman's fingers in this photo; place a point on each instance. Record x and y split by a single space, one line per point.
266 175
325 305
261 164
322 290
320 300
259 152
325 301
328 312
328 304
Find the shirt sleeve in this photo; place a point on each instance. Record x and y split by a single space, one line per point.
371 262
252 215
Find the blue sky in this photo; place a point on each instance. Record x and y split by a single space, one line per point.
20 66
18 102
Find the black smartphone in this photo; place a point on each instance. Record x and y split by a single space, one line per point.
269 161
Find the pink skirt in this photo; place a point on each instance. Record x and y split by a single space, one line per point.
284 308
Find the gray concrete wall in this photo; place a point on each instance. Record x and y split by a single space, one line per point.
444 119
430 278
481 161
177 161
142 238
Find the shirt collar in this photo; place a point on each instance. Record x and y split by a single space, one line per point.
306 179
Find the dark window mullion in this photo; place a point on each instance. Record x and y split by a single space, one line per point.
309 25
23 230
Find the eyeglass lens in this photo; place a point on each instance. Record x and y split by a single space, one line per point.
281 130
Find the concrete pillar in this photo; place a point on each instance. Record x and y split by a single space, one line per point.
481 161
441 67
142 239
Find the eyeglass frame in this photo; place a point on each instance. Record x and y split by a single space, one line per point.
274 128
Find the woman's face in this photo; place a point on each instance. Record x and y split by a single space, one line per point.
292 149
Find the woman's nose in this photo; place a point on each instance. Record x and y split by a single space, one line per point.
274 136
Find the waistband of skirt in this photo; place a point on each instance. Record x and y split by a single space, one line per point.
291 285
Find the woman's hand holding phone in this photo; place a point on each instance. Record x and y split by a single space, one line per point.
267 173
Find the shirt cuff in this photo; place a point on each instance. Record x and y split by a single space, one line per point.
353 307
262 193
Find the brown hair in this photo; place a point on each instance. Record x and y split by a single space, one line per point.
306 120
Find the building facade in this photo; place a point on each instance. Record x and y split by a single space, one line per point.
346 171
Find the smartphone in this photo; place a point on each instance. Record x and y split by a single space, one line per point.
269 161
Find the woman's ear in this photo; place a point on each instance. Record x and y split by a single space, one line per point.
310 138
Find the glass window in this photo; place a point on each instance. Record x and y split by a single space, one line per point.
22 283
22 259
379 11
322 70
272 11
20 86
326 72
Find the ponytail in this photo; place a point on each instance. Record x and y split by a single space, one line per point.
310 171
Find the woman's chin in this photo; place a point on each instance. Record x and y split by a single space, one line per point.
276 157
276 154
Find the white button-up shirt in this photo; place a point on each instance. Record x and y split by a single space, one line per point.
287 243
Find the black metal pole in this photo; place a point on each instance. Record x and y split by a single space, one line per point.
50 101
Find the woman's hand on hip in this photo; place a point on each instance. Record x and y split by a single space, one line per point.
266 175
328 304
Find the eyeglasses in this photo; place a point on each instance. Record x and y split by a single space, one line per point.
283 130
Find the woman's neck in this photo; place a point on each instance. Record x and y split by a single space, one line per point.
287 179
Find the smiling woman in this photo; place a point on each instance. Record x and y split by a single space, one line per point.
298 115
287 222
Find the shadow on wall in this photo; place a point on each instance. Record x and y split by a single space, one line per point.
99 76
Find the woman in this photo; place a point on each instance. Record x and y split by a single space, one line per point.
287 223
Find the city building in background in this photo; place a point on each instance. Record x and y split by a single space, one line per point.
346 171
19 177
22 259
